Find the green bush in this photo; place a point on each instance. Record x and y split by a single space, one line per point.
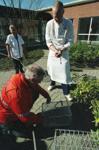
87 89
95 111
86 94
31 56
95 137
82 53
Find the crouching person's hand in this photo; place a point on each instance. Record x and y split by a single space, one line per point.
34 119
37 119
48 100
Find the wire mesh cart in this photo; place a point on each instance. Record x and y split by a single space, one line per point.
74 140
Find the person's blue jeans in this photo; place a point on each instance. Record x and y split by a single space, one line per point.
65 87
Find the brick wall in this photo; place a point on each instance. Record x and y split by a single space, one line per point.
79 11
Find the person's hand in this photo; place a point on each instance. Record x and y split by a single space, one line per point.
48 100
29 124
58 53
62 49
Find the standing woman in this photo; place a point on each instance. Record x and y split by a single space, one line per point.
59 37
14 46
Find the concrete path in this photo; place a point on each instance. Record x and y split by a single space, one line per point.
55 94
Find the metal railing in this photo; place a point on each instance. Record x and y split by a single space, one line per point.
74 140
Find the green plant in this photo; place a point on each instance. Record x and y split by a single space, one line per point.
83 54
87 89
31 56
95 111
95 136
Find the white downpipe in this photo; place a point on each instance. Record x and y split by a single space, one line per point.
90 29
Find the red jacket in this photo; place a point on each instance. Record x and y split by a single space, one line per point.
17 99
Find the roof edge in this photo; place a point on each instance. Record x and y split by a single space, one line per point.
70 4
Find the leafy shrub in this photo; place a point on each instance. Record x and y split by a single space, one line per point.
95 111
86 101
87 89
83 53
95 136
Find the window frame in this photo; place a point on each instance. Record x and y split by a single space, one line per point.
89 34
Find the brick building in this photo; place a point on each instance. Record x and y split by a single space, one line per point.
83 13
85 17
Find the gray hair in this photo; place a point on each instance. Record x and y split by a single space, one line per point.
34 71
12 26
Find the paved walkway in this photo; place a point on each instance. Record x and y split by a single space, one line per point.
55 94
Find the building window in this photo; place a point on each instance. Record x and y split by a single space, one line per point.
89 29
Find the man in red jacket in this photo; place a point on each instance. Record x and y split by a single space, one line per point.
17 98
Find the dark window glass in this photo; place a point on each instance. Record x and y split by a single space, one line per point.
94 37
82 37
84 24
95 25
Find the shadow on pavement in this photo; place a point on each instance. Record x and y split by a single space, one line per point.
81 120
26 145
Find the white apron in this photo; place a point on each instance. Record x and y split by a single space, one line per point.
59 68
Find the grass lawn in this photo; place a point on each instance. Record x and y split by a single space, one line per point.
31 56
